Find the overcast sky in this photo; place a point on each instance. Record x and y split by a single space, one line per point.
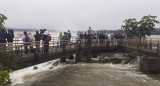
75 14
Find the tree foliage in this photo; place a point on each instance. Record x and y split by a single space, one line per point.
143 27
131 26
2 18
6 59
5 79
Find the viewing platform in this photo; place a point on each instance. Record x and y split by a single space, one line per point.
88 48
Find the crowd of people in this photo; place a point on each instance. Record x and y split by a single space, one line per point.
65 38
81 35
100 36
43 35
28 39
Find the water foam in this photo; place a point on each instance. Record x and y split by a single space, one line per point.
18 76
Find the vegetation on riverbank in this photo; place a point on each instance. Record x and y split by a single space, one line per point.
7 63
7 58
2 18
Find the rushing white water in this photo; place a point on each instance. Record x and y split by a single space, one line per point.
18 76
83 74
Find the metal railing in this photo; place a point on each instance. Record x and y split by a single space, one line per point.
56 45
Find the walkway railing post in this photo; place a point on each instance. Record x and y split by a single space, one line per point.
21 52
150 45
158 48
89 50
53 42
70 44
143 45
63 58
137 45
78 57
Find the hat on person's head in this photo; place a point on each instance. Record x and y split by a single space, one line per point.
65 32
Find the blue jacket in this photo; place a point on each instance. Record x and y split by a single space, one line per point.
111 36
69 35
37 37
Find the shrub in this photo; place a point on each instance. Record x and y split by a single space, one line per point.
7 63
5 77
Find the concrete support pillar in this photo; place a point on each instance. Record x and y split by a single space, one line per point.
150 65
78 58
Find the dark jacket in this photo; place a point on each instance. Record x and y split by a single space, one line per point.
44 36
10 36
37 37
3 36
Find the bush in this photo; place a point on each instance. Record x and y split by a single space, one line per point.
5 77
7 59
7 62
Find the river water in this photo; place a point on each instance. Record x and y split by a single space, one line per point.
84 74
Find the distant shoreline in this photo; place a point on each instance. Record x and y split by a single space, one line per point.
29 30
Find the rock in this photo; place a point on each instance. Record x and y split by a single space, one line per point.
35 68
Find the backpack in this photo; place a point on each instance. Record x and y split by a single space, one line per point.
27 39
113 35
48 38
64 37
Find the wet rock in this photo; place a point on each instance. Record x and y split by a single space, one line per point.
35 68
55 63
110 59
51 68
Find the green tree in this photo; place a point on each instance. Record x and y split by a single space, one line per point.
2 18
147 25
131 26
143 27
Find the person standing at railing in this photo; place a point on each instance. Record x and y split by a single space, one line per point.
31 44
41 33
81 35
46 38
37 37
69 36
64 39
111 36
26 39
106 36
89 39
10 37
3 36
78 36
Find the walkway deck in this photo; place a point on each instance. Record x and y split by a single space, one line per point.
149 46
